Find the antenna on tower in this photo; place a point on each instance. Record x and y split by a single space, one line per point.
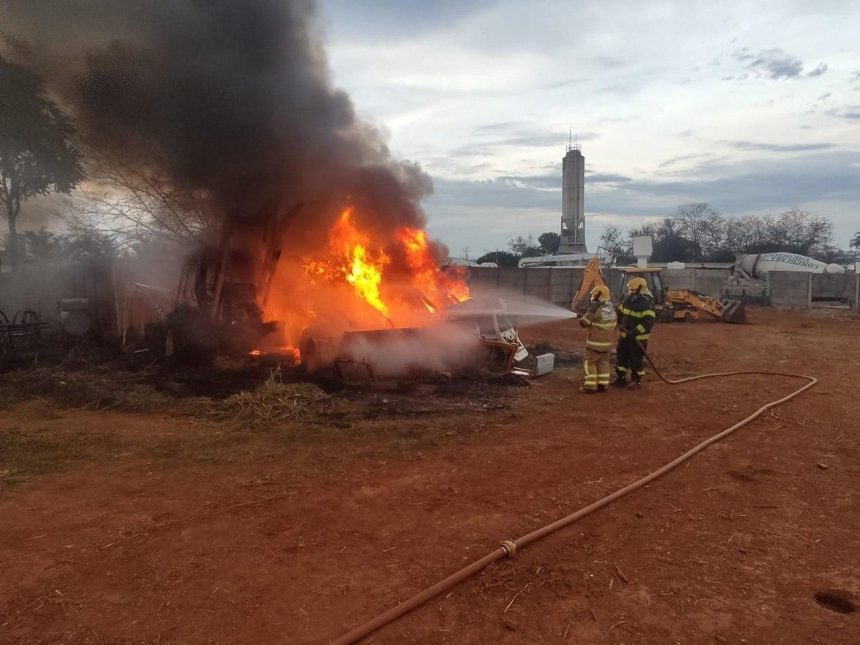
572 140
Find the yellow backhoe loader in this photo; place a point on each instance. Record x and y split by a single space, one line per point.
683 305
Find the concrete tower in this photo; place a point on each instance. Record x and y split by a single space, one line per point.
573 202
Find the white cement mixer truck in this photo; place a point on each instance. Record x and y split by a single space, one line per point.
758 265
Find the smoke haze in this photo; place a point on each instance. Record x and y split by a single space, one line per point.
440 348
233 100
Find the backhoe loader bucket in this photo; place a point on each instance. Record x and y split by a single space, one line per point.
735 311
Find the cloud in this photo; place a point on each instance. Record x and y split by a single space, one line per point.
623 86
824 182
731 187
607 62
674 160
818 71
777 147
774 63
550 182
476 96
563 84
848 112
505 126
397 20
606 178
497 138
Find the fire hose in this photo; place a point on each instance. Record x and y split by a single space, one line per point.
509 547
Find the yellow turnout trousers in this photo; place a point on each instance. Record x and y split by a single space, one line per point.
596 368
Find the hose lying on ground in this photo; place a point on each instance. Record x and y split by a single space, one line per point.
509 547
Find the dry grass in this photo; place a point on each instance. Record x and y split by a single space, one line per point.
109 388
94 388
272 402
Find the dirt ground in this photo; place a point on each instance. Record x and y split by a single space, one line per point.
153 528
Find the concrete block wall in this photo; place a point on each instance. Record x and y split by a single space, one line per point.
559 284
536 282
707 281
711 281
563 283
552 284
679 278
483 276
841 286
791 289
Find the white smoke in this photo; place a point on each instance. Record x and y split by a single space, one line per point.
445 347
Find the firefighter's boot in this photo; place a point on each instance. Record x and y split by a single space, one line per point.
620 380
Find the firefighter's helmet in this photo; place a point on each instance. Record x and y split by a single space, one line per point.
637 284
600 293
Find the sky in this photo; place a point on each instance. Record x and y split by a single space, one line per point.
752 107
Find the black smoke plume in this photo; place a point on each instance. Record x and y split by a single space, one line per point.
233 100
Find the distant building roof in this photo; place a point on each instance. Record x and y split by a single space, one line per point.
462 262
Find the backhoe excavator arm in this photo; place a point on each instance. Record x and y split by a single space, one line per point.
592 277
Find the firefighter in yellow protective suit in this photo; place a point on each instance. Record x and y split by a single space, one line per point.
600 320
636 317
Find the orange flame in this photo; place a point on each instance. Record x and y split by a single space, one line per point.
439 287
407 297
292 352
366 275
363 270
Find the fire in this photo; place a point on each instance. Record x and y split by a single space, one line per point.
424 269
365 276
355 258
362 279
435 286
292 352
286 351
361 268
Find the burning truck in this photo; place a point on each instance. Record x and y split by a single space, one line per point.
380 307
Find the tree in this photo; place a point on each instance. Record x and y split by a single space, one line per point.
524 246
795 231
702 226
89 245
669 244
549 242
82 244
696 233
855 243
41 245
132 204
37 155
612 239
502 258
804 233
